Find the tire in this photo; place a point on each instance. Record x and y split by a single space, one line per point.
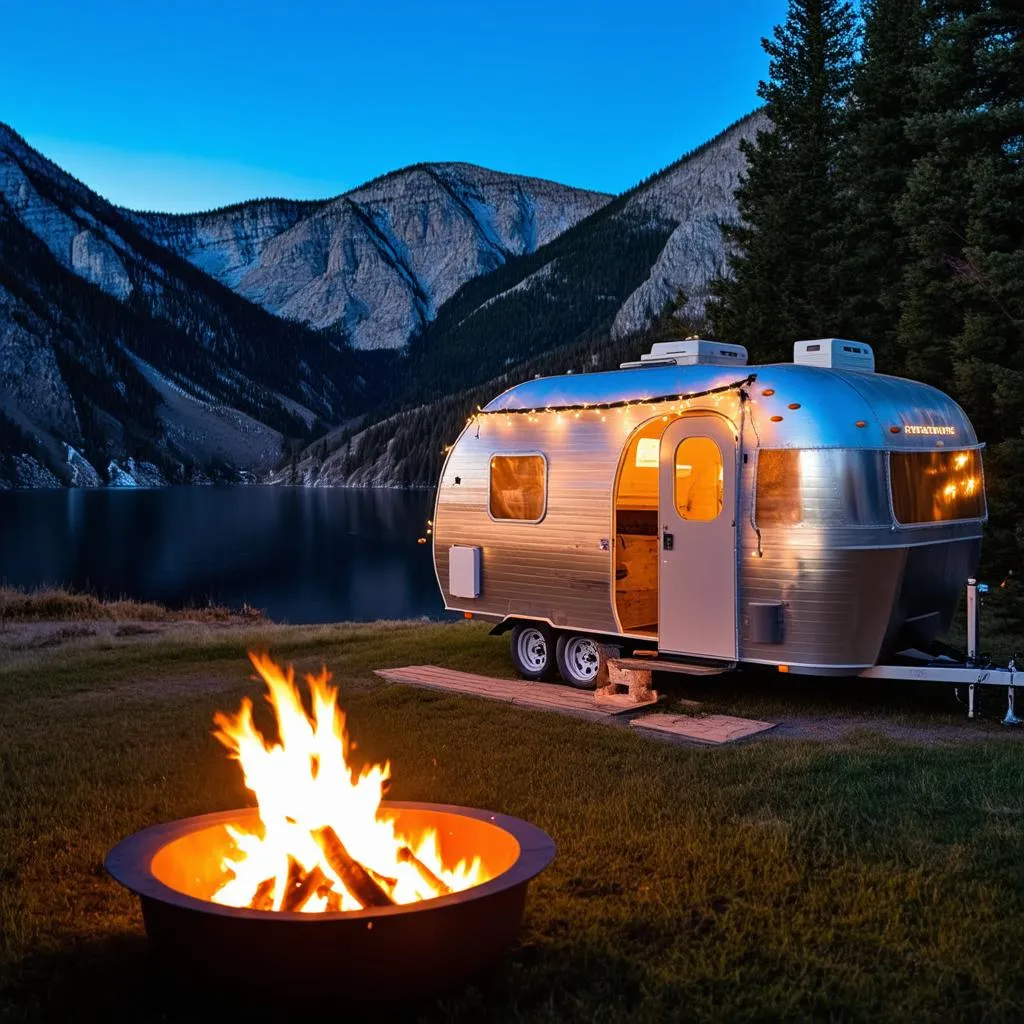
578 660
533 651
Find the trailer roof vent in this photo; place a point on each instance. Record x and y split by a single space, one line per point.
835 353
691 352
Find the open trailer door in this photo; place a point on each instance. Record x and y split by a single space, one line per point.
697 564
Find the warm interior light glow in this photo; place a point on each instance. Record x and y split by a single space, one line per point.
647 452
937 486
323 842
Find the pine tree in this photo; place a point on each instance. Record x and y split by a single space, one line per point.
786 249
962 321
874 167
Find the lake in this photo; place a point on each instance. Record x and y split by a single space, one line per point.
303 555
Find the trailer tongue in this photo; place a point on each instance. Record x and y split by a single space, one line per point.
917 666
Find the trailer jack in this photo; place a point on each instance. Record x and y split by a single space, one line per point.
971 672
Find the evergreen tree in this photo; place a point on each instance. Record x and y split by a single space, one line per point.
785 261
962 320
874 166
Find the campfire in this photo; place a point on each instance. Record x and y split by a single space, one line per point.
322 843
323 880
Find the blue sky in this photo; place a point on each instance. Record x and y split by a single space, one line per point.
190 105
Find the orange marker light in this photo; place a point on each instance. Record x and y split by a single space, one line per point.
467 615
783 668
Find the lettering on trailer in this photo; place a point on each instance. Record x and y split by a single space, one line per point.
931 429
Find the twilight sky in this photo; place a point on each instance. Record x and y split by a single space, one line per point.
198 103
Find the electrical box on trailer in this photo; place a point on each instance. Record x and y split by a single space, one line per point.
463 571
835 353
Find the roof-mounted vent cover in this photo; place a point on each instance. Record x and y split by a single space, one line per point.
691 352
835 353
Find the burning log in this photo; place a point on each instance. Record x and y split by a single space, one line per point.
333 897
263 898
355 877
301 885
428 876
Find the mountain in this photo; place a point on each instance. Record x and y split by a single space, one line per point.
375 263
614 274
343 340
112 348
591 298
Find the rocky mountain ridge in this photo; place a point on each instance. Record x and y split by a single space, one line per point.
115 348
208 345
375 263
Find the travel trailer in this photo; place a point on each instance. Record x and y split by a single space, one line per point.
815 515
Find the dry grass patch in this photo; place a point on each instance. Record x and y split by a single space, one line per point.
58 603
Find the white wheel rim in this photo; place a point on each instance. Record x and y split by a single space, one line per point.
533 650
582 659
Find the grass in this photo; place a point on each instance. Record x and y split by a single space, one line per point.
59 603
860 879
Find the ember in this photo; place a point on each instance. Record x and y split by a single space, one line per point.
322 843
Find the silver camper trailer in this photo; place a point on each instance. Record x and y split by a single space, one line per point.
815 515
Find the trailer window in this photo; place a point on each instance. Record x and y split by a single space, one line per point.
699 479
934 487
778 498
518 487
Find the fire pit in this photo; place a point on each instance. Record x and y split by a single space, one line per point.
323 887
387 953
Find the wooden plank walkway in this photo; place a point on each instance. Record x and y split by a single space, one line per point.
713 729
520 692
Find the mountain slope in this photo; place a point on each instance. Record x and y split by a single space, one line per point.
609 276
100 326
376 263
145 346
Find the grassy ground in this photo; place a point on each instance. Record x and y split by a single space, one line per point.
862 878
58 603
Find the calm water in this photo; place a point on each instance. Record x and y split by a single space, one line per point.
303 555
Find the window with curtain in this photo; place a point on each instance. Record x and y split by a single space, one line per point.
778 500
518 487
938 486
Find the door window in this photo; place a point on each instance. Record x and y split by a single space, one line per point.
699 479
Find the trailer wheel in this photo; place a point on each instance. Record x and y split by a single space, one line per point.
579 659
533 650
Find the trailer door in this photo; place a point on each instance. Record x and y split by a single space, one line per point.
697 564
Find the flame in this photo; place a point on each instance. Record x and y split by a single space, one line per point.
303 785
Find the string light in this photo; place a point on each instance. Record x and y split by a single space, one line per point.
683 401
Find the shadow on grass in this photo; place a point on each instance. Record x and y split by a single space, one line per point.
116 978
754 690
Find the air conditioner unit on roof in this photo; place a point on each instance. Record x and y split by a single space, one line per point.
835 353
691 352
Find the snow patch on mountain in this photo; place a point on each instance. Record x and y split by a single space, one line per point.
129 473
82 472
